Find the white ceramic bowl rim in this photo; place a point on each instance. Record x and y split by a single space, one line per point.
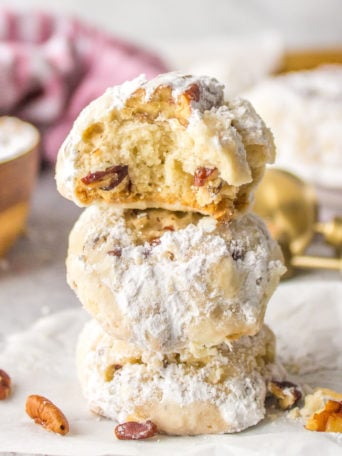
16 138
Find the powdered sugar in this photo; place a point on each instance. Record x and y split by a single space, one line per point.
217 131
312 304
210 90
198 284
16 138
303 109
238 393
46 351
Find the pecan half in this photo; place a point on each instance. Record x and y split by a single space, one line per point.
327 420
286 393
132 430
111 177
5 385
202 174
47 414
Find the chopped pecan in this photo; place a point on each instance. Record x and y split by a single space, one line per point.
132 430
193 92
111 177
47 414
170 255
115 252
169 228
155 241
327 420
110 371
5 385
202 174
146 253
286 393
238 254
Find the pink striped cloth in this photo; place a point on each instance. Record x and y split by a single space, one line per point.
51 67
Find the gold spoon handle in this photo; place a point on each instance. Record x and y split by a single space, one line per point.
331 231
311 262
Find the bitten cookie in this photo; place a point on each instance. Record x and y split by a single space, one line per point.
171 280
219 390
172 143
304 111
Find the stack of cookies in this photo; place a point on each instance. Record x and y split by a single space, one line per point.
167 259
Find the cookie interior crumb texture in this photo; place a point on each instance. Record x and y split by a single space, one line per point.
172 142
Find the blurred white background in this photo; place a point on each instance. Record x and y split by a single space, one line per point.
152 22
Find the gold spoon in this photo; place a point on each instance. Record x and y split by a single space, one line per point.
294 262
289 207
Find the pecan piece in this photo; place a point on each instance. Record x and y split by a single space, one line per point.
202 174
132 430
154 241
44 412
111 177
168 228
238 253
327 420
170 255
115 252
193 92
286 393
5 385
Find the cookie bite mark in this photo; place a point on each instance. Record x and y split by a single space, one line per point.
171 143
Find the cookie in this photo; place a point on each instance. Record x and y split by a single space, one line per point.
171 143
166 280
304 111
220 390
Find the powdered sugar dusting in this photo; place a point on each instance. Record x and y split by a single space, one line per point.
303 110
120 94
200 283
210 90
238 392
46 351
220 131
16 138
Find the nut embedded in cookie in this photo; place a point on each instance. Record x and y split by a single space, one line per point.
172 143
